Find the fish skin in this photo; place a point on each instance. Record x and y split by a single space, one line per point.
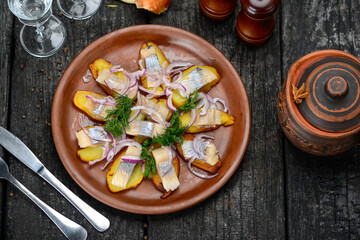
145 128
169 180
197 79
125 169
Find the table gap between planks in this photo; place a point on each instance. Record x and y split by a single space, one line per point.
278 192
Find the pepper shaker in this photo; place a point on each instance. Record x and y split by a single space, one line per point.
255 22
218 10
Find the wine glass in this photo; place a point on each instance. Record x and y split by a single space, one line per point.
79 9
42 34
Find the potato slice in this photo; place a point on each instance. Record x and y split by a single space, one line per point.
162 103
88 106
203 79
158 182
134 180
97 67
197 162
90 153
148 50
225 120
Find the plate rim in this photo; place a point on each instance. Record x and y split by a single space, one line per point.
147 209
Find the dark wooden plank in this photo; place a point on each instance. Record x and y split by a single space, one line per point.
322 192
31 97
251 204
5 63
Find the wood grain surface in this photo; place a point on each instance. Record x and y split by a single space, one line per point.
5 74
278 192
322 192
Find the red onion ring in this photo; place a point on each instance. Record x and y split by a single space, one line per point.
116 68
127 84
132 159
88 77
111 153
169 100
225 109
105 152
193 114
174 85
126 142
200 175
206 102
196 145
134 116
152 92
107 100
141 64
203 103
138 73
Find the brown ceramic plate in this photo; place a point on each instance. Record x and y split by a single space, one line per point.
122 47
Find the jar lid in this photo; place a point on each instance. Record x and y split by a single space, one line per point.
333 86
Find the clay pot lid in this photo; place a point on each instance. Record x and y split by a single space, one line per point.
332 80
260 8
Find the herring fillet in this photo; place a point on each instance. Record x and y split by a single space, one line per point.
170 180
123 174
145 128
197 78
125 169
152 63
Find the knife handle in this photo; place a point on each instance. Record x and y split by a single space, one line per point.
99 222
70 229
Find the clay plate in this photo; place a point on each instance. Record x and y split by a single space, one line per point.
122 47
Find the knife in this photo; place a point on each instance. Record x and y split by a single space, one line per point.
17 148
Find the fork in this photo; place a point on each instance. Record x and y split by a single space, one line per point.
70 229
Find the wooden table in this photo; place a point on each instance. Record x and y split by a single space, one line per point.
278 191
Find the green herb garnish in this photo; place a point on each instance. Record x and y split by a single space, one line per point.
117 120
172 135
145 154
190 103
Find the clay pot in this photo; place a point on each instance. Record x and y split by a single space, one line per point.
327 121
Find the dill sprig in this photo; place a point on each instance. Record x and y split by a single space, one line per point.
173 134
118 119
150 162
190 103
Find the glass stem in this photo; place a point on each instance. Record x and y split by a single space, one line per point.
42 33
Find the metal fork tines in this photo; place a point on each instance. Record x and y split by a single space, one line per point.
69 228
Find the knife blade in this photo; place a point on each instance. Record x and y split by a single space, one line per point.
17 148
